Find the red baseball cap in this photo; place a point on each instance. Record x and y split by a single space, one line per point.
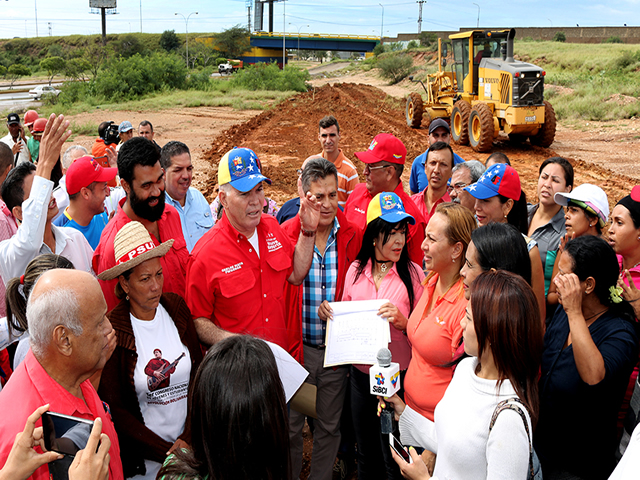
86 170
384 148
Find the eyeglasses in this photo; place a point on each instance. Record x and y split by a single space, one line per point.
371 169
457 187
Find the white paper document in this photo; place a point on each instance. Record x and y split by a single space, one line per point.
356 333
292 374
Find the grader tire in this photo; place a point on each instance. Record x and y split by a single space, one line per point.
414 110
547 133
460 122
481 128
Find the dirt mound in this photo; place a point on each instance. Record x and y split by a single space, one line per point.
284 136
621 99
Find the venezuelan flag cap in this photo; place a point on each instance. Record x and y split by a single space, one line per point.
499 179
388 207
241 168
384 148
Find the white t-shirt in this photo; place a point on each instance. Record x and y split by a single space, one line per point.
163 402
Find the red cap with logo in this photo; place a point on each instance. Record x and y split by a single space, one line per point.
384 148
86 170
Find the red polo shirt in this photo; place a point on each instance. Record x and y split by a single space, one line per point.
240 292
31 387
174 263
418 200
356 213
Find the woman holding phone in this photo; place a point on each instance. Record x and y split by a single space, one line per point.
474 434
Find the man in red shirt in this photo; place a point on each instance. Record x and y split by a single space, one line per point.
438 166
384 166
142 178
69 343
238 269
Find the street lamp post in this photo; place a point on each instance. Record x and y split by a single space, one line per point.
478 21
299 36
284 30
382 23
186 28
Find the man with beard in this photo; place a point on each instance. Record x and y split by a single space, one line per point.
142 178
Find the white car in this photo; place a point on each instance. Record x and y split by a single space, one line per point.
43 90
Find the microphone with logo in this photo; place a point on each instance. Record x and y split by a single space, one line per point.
384 380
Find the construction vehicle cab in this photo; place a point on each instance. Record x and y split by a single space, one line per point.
486 91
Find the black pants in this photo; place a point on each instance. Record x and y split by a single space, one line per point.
374 457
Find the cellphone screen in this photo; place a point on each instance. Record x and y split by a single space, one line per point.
65 434
399 448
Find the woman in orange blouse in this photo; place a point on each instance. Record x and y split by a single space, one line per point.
434 326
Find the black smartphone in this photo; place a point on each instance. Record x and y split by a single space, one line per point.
65 434
399 448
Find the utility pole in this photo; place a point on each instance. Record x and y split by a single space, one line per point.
248 5
140 16
35 2
381 23
49 24
420 2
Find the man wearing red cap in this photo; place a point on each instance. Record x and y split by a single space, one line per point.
28 193
86 183
384 165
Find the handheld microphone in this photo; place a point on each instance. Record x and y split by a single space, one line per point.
384 380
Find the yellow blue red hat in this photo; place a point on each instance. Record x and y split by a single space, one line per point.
384 148
388 207
241 168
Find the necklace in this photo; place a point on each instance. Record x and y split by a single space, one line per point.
383 270
596 314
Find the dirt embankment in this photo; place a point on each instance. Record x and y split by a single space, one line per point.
285 136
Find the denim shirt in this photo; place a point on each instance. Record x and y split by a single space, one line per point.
195 216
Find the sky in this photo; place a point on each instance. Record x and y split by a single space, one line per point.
355 17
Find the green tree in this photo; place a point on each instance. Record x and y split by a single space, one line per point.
395 67
559 37
3 70
95 55
378 49
53 66
129 45
169 40
77 68
55 50
427 38
412 44
16 71
233 41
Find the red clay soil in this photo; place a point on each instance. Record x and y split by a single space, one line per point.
287 134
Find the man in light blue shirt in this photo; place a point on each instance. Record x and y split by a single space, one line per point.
194 210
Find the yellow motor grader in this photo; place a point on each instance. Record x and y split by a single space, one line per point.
484 92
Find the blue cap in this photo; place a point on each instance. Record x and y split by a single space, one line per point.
241 168
388 207
125 126
499 179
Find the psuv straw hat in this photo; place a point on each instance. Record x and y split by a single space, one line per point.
132 246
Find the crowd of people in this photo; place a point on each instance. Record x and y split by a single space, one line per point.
133 302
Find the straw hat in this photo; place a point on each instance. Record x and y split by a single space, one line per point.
132 246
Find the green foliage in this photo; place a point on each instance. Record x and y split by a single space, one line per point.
128 46
412 44
220 61
428 38
129 78
270 77
3 70
233 41
53 66
559 37
393 47
202 55
77 68
169 40
55 50
378 49
395 67
626 59
200 80
613 39
16 71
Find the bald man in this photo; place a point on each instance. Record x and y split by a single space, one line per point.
69 336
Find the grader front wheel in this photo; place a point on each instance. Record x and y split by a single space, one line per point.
460 122
547 133
481 127
414 110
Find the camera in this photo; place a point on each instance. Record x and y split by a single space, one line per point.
111 134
